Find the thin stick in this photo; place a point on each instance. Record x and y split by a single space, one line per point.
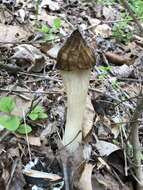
32 92
28 144
136 144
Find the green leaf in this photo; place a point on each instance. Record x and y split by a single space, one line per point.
44 29
7 104
37 113
33 116
57 23
42 116
23 129
10 122
103 68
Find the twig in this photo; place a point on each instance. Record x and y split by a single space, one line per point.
28 144
40 76
122 132
128 99
126 122
32 92
17 70
129 79
35 42
12 173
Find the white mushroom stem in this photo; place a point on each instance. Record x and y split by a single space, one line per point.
76 84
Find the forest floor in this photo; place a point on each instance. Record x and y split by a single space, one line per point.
33 98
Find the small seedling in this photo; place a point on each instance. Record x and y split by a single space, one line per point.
24 128
121 30
50 32
13 122
37 113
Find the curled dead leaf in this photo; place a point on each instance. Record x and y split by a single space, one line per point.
118 59
85 182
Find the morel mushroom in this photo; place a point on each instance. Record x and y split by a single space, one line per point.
75 60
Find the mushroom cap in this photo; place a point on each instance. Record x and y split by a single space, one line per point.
75 54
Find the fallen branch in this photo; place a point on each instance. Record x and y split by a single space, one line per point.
134 137
30 92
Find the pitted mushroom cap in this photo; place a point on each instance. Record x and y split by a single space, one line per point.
75 54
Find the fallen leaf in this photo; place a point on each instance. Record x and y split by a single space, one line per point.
103 30
94 21
53 52
29 57
85 179
34 141
105 148
110 13
118 59
54 6
9 33
122 71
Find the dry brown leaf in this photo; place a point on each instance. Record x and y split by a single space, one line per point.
106 181
94 21
122 71
85 179
34 141
53 52
29 57
118 59
103 30
13 152
40 174
88 118
105 148
9 33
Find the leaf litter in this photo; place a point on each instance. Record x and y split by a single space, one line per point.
114 86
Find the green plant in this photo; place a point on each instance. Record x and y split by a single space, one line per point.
50 32
121 30
104 71
37 113
14 123
137 7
